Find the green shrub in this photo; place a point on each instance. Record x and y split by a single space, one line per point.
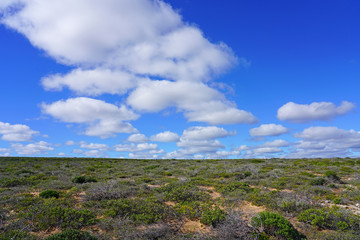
139 210
276 225
71 234
83 179
16 235
52 214
49 194
12 182
331 218
318 182
212 216
332 175
182 192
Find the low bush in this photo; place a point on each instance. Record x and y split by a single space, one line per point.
52 214
276 225
71 234
212 216
182 192
331 218
17 235
83 179
332 175
147 210
318 182
49 194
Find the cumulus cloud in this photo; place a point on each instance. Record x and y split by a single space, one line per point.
268 130
322 111
205 133
137 138
326 142
265 150
198 101
70 143
32 148
103 119
135 147
200 140
166 136
16 132
92 82
120 47
94 146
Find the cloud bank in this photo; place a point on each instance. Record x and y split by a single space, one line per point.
140 49
321 111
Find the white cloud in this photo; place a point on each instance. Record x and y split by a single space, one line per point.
200 140
118 46
5 152
70 143
135 148
300 113
326 142
277 143
32 148
92 82
165 137
268 130
199 102
205 133
103 119
137 138
16 132
94 146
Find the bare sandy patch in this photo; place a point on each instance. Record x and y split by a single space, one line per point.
191 226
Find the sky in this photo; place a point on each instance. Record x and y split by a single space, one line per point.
180 79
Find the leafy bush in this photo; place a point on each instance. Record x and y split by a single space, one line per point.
139 210
332 175
52 214
71 234
49 194
182 192
331 218
83 179
276 225
16 235
318 182
212 216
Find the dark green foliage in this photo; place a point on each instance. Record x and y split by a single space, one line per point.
331 218
276 225
53 214
17 235
182 192
318 181
139 210
332 175
49 194
12 182
71 234
234 186
212 216
83 179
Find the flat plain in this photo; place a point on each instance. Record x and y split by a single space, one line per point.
78 198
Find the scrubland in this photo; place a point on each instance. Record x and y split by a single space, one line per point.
74 198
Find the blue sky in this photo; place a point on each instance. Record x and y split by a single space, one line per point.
180 78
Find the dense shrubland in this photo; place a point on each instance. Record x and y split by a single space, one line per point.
45 198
